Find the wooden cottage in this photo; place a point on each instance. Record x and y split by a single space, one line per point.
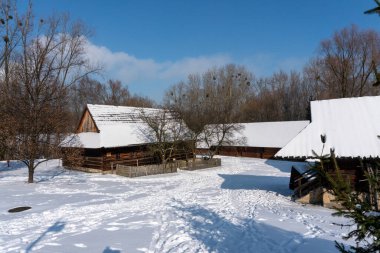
263 139
112 134
351 127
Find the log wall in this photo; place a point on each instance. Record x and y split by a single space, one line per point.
351 171
255 152
106 159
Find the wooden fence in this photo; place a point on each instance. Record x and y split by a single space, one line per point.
138 171
200 163
109 163
153 169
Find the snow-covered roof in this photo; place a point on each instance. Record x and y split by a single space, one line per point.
111 136
265 134
110 115
118 126
351 126
271 134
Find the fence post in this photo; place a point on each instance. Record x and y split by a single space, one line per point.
130 171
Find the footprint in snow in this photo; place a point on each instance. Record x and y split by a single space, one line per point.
52 244
112 229
80 245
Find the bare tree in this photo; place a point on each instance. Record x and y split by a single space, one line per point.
10 33
116 93
86 91
163 130
188 100
282 96
141 101
113 92
215 136
344 67
213 98
345 63
48 59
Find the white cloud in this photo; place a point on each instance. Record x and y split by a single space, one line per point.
151 78
120 65
129 69
186 66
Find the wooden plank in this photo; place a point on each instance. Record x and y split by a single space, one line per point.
86 123
88 158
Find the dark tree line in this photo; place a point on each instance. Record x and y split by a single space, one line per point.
280 97
345 66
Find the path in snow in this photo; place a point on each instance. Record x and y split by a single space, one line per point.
244 206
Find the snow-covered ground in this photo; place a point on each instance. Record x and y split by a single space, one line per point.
243 206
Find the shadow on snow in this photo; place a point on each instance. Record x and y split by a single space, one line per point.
55 228
218 234
43 172
109 250
281 165
49 175
13 165
279 185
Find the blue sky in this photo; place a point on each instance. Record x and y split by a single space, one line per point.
149 45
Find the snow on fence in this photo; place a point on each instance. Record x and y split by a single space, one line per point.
137 171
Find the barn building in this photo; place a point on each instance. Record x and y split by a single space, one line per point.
109 134
263 139
350 126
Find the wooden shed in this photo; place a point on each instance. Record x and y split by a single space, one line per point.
108 135
351 127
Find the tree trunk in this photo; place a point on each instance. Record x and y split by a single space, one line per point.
194 150
164 162
31 172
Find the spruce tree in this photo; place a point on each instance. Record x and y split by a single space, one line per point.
361 208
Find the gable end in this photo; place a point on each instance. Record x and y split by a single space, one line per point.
87 123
